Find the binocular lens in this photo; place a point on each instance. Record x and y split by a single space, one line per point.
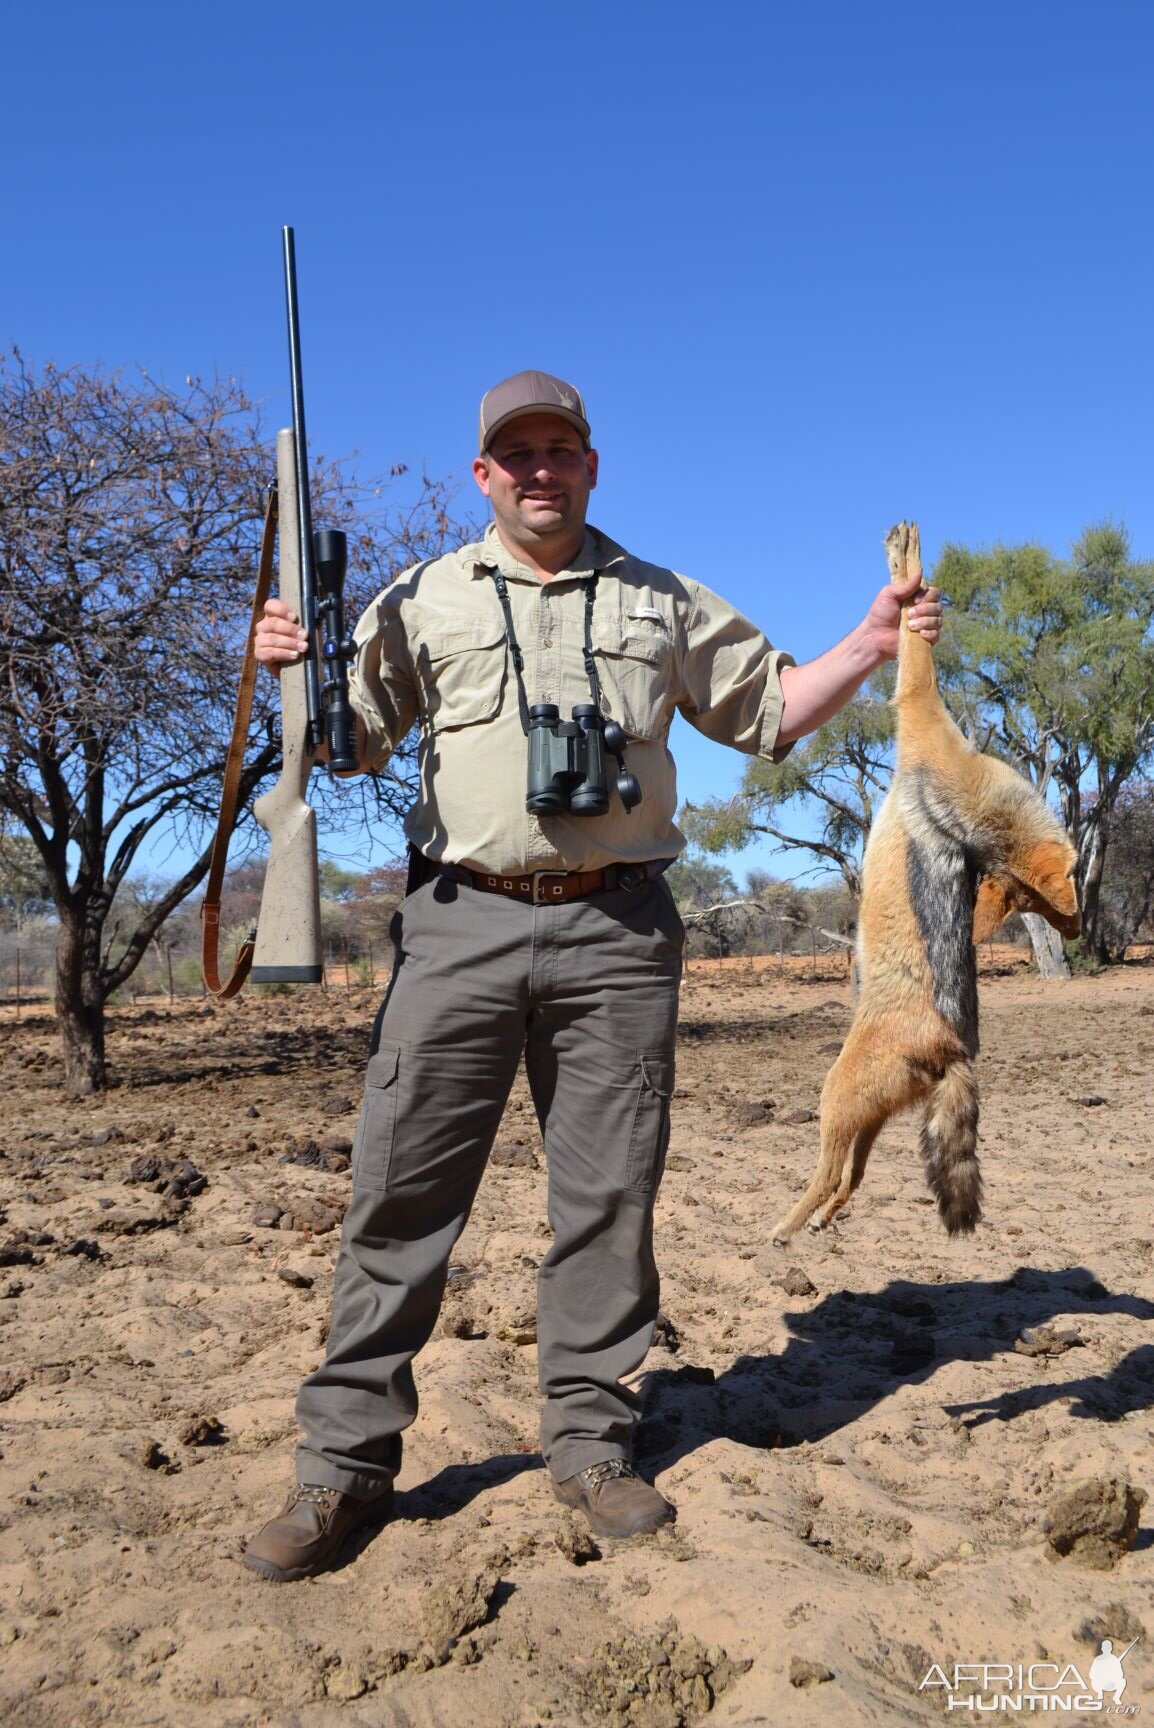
547 801
589 801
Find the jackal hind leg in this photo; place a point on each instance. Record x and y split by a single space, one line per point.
869 1083
862 1147
835 1149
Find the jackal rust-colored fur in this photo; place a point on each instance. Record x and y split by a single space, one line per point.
961 841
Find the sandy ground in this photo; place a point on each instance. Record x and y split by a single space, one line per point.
864 1433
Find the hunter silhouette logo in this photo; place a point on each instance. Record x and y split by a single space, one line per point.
1013 1688
1106 1670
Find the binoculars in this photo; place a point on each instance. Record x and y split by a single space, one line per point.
567 762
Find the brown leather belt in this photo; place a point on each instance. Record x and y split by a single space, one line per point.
549 887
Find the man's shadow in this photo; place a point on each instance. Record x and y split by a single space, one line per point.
441 1496
452 1488
848 1353
855 1348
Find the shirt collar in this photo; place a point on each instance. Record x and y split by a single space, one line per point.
598 553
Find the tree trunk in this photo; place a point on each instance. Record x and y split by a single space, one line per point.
1047 946
80 1010
1090 897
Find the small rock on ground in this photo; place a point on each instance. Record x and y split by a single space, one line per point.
1095 1523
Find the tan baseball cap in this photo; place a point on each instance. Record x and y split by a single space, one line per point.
529 393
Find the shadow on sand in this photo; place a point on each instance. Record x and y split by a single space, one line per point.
854 1348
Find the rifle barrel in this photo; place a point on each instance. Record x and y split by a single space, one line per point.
304 508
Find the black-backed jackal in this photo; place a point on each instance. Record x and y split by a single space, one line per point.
960 842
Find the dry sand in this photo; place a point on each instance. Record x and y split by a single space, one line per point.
862 1458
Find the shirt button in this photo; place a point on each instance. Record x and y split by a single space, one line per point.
547 642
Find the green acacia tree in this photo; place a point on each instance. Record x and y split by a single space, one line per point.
696 882
1050 662
837 776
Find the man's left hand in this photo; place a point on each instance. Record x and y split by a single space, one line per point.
813 692
884 618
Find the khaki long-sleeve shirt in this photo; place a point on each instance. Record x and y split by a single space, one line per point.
432 650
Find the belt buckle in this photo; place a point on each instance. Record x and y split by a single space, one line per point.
558 893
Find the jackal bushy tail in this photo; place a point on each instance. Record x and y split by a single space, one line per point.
950 1148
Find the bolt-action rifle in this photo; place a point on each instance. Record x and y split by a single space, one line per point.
285 947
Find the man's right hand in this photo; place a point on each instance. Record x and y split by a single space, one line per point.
279 639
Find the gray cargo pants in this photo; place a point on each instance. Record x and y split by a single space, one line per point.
588 990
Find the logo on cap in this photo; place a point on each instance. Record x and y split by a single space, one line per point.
529 393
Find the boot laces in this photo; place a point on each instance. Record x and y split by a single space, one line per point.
596 1474
317 1496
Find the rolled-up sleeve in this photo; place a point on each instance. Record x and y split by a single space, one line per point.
382 691
731 677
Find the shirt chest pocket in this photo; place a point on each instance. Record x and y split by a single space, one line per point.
635 669
461 673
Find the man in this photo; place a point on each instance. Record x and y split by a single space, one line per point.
542 932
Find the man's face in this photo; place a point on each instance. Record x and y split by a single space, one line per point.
537 475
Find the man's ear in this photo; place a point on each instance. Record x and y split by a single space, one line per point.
591 465
481 473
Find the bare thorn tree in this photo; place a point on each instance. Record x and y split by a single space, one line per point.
129 524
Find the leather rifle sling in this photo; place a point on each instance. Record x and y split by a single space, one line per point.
210 910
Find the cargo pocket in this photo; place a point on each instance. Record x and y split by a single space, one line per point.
376 1130
650 1137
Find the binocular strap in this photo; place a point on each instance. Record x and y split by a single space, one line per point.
590 587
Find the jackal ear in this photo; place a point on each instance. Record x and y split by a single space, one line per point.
997 897
1046 873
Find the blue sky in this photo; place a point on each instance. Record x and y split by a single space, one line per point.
815 266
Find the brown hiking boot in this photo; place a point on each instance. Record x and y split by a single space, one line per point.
306 1537
615 1500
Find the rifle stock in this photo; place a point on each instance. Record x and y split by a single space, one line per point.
288 942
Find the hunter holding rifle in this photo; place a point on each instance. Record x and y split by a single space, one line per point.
538 925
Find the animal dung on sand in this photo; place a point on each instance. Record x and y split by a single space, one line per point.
961 841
